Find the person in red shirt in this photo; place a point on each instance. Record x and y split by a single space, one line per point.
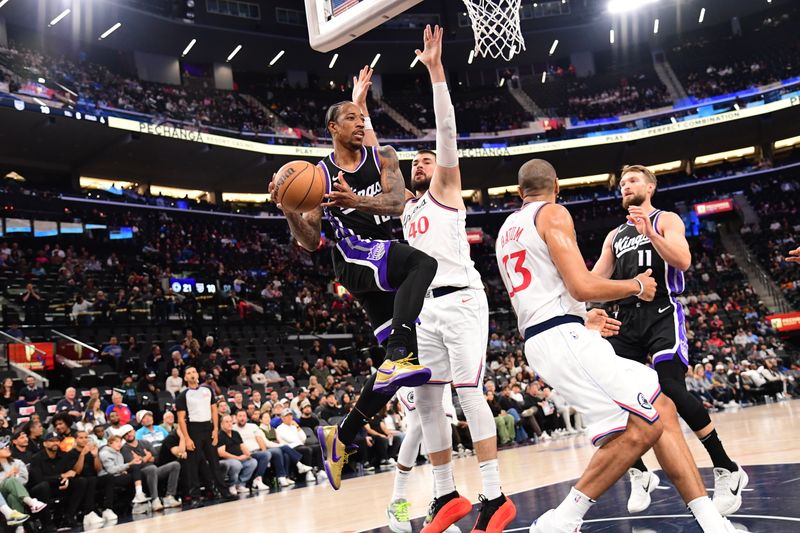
120 408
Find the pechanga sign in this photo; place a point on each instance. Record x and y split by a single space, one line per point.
712 208
785 322
168 130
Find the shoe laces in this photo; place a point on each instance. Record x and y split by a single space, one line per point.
405 361
722 479
488 508
401 510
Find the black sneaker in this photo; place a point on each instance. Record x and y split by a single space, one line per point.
494 515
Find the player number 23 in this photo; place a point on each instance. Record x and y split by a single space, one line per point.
518 262
418 227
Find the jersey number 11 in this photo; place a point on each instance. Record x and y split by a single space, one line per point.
645 258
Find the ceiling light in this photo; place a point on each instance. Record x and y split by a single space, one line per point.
414 61
655 27
59 17
42 81
702 16
611 36
189 47
375 60
39 102
673 120
544 76
553 48
277 57
3 2
623 6
333 60
502 81
110 30
471 56
235 51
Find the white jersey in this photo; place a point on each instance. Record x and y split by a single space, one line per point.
441 232
531 278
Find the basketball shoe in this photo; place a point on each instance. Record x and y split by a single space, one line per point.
399 520
494 515
445 511
549 523
400 373
642 484
334 454
728 488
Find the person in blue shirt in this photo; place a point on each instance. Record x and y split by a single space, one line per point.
149 432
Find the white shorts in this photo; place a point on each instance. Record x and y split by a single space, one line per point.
406 396
583 368
453 335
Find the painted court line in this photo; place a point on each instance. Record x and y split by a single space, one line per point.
653 517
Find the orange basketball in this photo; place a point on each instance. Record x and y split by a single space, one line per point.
299 186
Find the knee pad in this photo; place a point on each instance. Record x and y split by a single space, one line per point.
689 407
476 410
436 432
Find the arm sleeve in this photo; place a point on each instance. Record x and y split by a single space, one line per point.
446 148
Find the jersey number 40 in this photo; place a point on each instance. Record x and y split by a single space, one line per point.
418 227
519 268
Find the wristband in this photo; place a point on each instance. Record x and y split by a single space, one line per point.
368 123
641 286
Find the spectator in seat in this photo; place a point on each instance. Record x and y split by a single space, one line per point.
331 407
62 425
307 418
291 434
379 449
175 363
85 457
168 422
236 458
71 404
773 385
111 353
92 416
35 431
30 395
148 432
98 436
7 393
122 410
174 383
13 478
51 475
237 404
150 472
113 424
256 400
320 371
253 440
32 303
19 446
256 376
503 420
290 455
124 474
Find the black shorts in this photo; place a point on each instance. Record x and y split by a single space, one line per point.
654 329
366 268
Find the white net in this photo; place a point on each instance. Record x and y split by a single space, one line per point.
496 27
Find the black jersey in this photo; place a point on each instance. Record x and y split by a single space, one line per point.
634 253
365 180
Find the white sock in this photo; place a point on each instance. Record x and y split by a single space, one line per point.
27 500
6 510
443 482
575 506
139 491
490 475
706 514
400 484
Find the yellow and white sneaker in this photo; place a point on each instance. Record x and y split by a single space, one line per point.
334 454
401 373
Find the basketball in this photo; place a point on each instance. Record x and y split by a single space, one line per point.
299 187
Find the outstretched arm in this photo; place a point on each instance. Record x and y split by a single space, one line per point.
447 176
306 228
389 202
361 85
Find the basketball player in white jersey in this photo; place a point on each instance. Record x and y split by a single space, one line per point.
548 283
454 329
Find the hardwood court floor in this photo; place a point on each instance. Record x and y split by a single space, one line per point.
761 435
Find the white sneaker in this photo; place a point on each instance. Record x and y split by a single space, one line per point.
284 482
157 505
399 519
242 489
232 490
546 436
258 485
171 502
140 497
547 523
92 520
110 516
140 508
37 506
728 489
310 477
642 484
303 469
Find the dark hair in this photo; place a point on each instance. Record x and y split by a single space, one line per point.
332 115
185 370
425 151
63 416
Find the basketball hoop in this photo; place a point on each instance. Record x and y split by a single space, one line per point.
495 24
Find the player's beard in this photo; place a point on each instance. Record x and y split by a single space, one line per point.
636 199
420 185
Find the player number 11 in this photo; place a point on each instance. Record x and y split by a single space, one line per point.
645 258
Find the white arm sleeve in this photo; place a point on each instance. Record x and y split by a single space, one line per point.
446 149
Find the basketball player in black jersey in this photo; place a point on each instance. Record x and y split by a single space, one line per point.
365 189
655 239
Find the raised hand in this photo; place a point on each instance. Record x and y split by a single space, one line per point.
431 56
640 220
361 85
794 256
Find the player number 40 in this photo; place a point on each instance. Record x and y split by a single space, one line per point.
518 263
418 227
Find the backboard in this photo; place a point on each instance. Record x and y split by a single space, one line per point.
333 23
